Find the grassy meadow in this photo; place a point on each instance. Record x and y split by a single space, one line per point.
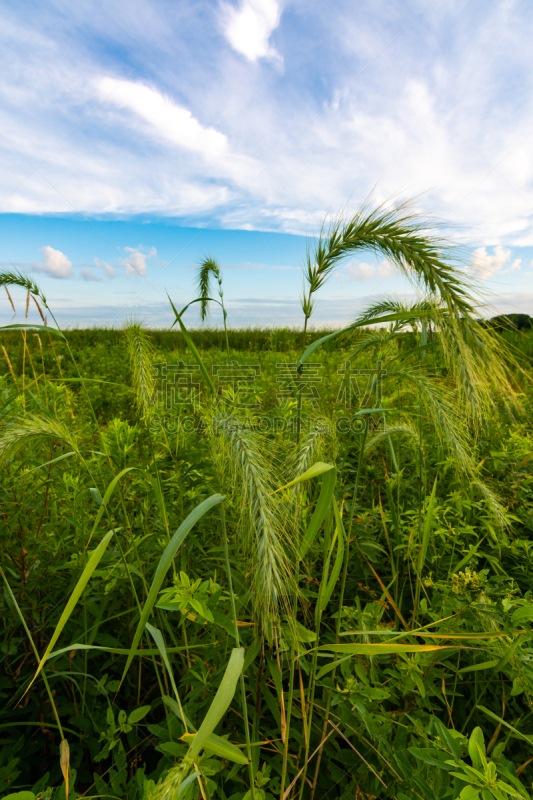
270 564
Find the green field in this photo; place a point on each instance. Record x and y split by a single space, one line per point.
224 577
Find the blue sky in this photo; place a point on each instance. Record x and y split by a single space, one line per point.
136 137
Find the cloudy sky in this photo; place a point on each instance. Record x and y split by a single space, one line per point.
136 137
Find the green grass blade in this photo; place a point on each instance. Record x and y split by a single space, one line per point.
19 612
401 315
337 566
157 636
384 649
324 499
53 461
221 701
427 529
156 486
107 496
501 721
119 651
186 783
220 747
33 328
192 347
162 568
477 667
91 565
313 472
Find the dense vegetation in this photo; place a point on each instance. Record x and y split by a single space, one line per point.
252 564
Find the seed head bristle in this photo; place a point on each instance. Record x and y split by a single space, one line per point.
141 357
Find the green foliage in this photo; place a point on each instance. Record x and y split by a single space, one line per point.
219 610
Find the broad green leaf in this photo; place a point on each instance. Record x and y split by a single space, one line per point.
523 614
220 747
332 665
428 756
476 745
138 714
477 667
91 565
172 749
162 568
221 701
19 796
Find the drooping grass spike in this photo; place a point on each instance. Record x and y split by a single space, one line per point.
404 238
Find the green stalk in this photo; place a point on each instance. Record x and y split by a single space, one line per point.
341 599
292 659
237 644
423 341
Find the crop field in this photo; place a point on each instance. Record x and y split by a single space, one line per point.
269 564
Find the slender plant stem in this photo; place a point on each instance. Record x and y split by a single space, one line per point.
237 642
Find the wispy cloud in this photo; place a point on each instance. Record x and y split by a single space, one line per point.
407 98
90 275
164 116
362 272
135 263
485 265
108 269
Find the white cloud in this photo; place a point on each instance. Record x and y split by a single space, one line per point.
485 265
248 27
135 263
108 268
516 265
90 275
54 262
444 108
169 119
361 271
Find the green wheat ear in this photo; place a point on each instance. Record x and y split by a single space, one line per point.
207 268
266 523
141 357
23 430
19 279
